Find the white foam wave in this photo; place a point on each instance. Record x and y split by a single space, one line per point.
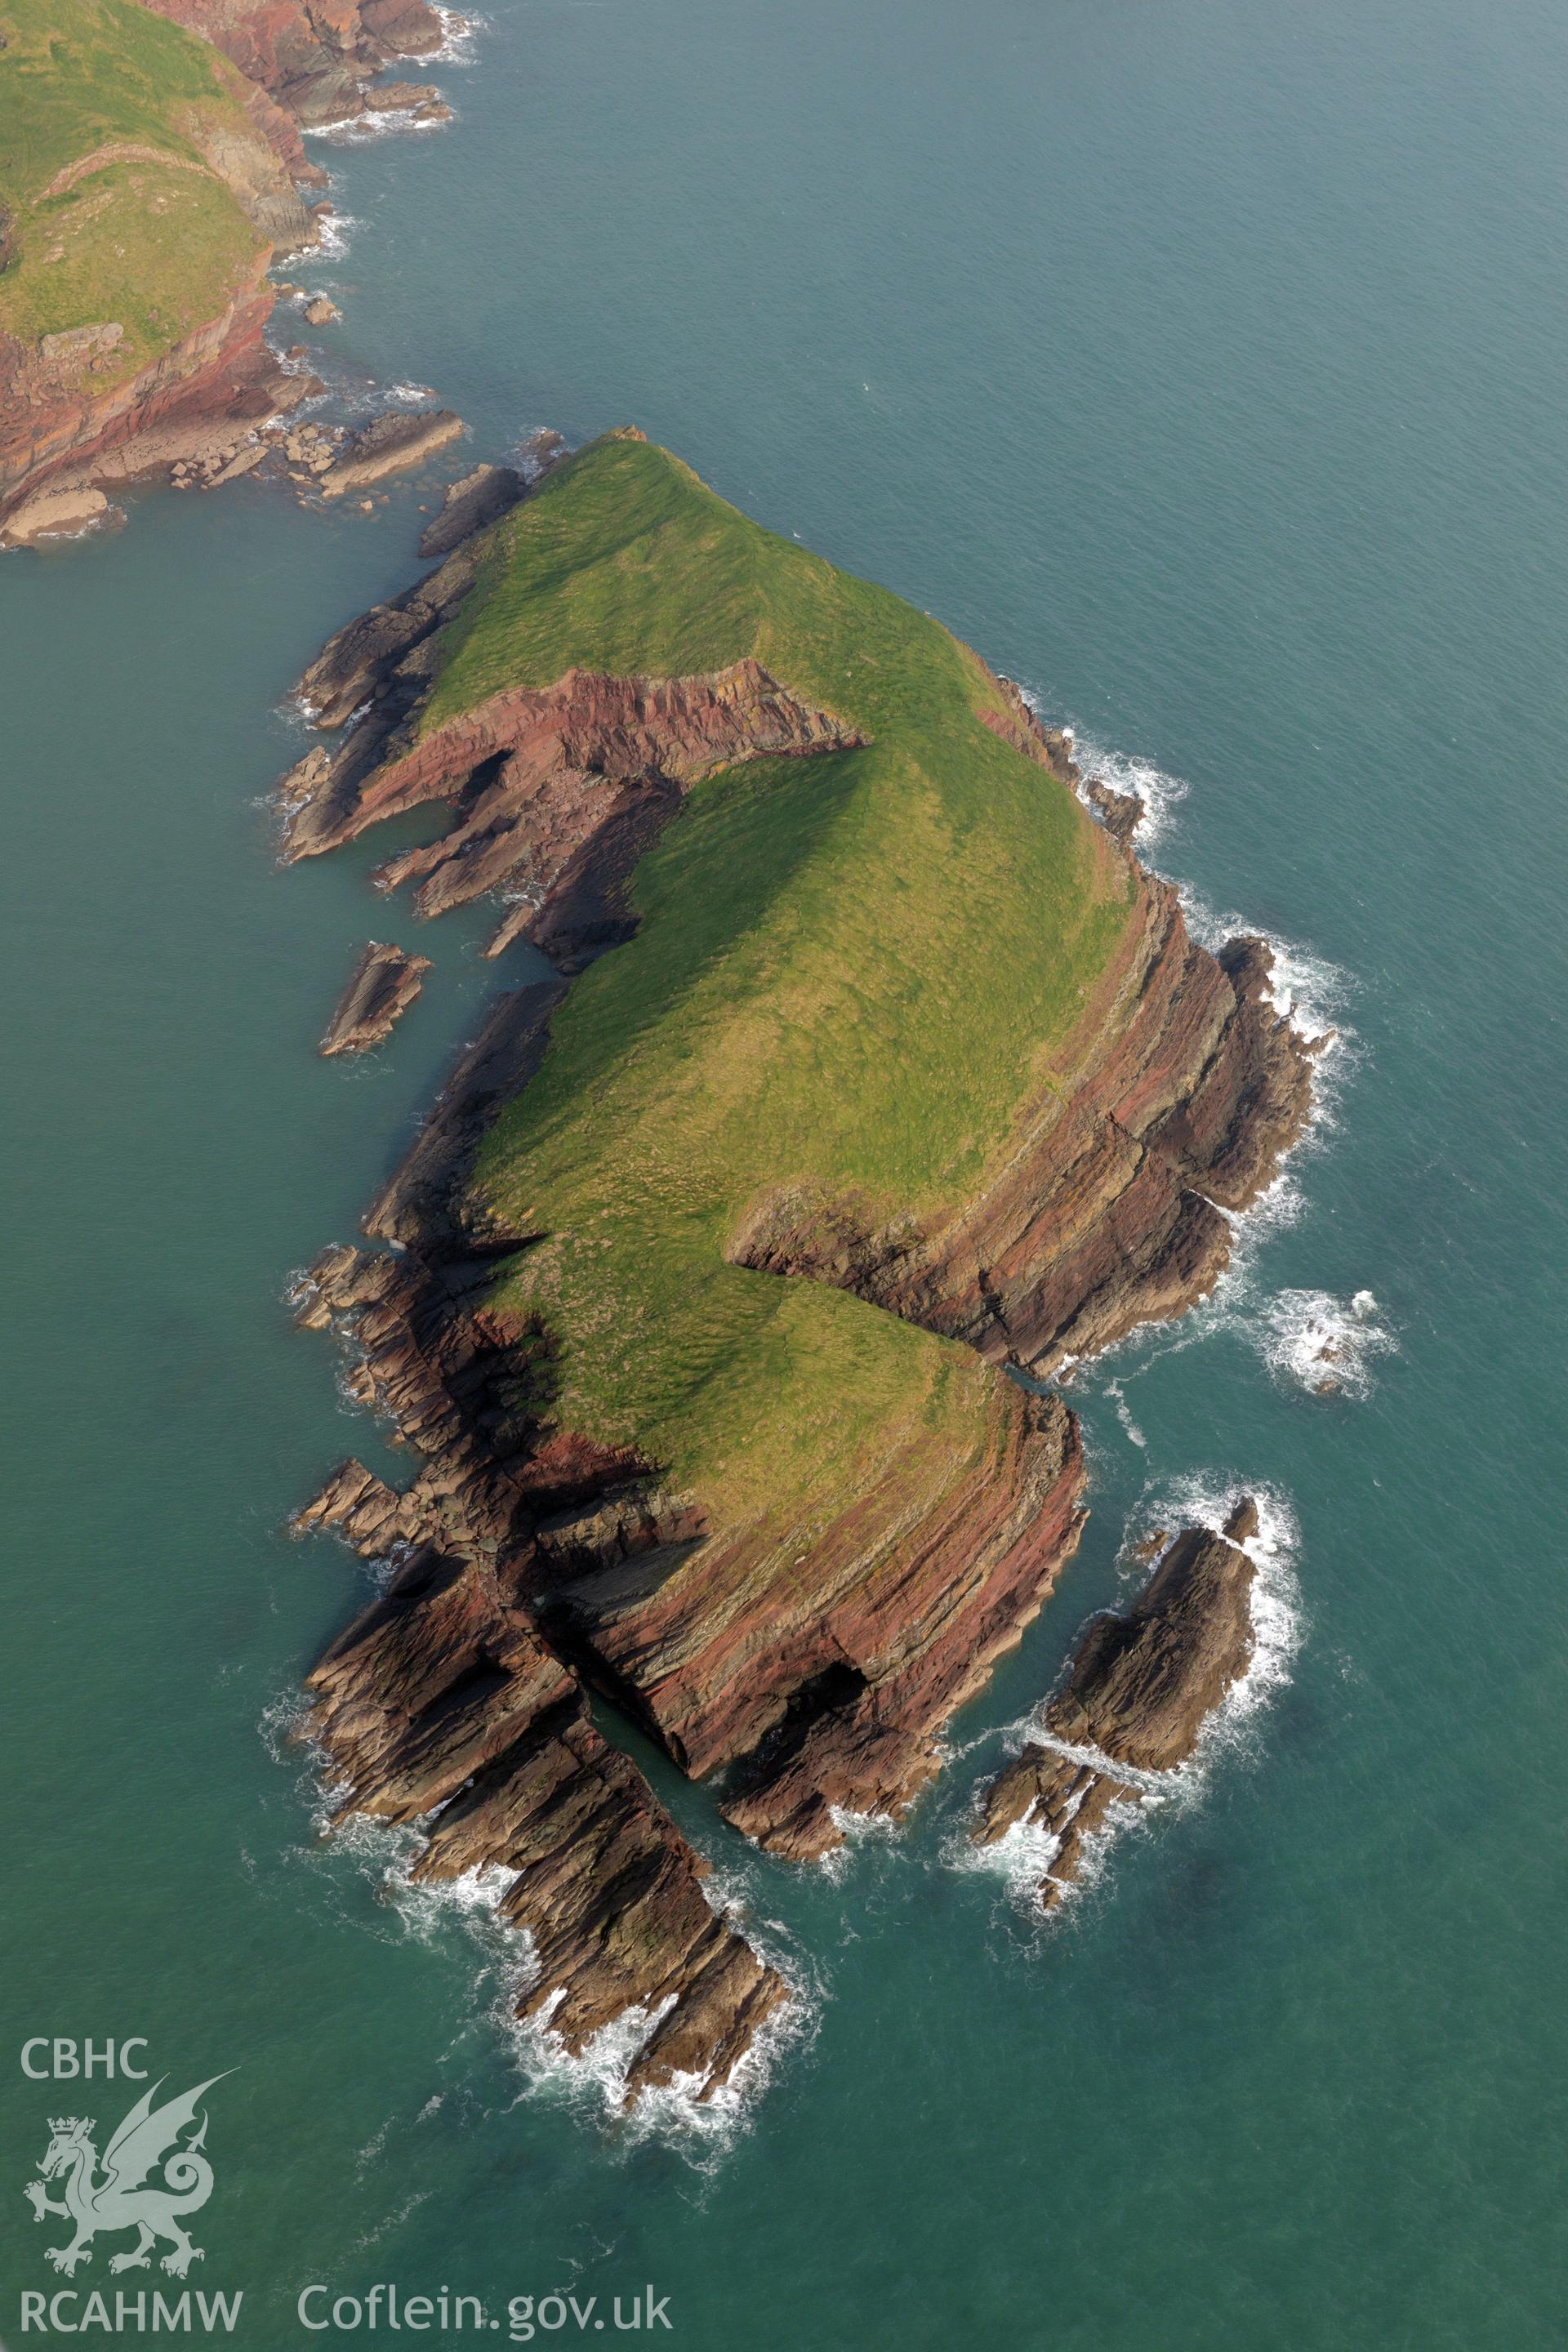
856 1829
336 230
462 34
1325 1344
593 2081
1024 1857
1159 794
590 2082
359 129
1309 990
1114 1391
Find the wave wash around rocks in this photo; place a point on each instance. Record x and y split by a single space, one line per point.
887 1072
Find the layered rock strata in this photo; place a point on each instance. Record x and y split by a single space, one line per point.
481 497
1136 1696
441 1706
381 986
1171 1104
62 429
556 790
388 445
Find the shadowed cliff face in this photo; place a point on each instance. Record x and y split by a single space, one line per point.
807 1633
556 793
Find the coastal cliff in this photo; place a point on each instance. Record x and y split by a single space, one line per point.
886 1073
313 56
144 188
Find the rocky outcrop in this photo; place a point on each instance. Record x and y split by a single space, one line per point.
313 56
1135 1699
381 986
54 514
558 790
1173 1103
420 100
481 497
441 1704
810 1652
826 1693
1121 814
388 445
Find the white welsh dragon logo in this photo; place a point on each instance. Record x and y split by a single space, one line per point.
123 2199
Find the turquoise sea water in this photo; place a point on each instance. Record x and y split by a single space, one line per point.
1202 362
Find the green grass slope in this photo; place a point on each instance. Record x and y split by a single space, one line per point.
851 968
159 248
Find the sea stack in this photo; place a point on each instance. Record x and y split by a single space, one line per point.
381 986
1138 1693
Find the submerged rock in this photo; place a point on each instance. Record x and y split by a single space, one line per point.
54 514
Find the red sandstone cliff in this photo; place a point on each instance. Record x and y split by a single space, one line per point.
69 415
442 1695
312 55
59 424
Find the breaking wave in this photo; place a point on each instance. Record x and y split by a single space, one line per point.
359 129
1160 794
1325 1345
462 35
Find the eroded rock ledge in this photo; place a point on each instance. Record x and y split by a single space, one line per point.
1174 1101
442 1706
1137 1694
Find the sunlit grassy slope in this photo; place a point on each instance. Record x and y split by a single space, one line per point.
157 248
852 969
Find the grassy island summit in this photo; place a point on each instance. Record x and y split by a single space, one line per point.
884 1071
848 971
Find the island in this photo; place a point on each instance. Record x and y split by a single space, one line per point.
720 1297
